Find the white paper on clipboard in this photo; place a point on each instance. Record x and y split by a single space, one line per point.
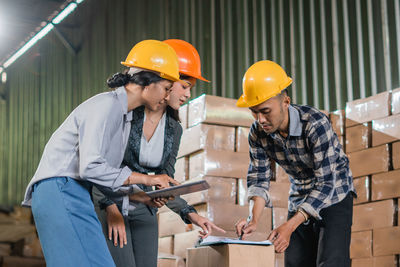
178 190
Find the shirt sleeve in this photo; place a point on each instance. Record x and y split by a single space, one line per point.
259 172
321 141
96 128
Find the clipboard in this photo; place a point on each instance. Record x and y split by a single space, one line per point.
218 240
178 190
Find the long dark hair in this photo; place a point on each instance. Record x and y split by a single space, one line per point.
173 113
142 78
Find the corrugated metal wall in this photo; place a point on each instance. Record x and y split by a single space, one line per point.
335 50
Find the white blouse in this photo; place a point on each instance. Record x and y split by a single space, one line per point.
151 152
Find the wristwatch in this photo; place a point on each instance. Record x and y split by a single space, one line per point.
305 215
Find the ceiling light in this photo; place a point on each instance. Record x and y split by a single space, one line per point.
63 14
29 44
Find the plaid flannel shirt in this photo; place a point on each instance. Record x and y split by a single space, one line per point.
311 155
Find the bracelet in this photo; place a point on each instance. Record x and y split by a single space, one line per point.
305 215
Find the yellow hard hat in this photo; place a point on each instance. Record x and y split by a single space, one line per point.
155 56
262 81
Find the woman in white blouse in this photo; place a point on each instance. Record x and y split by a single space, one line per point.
89 148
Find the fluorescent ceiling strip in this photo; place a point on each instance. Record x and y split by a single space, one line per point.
61 16
29 44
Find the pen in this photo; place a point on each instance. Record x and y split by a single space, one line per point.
247 223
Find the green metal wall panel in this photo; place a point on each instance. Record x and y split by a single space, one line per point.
335 51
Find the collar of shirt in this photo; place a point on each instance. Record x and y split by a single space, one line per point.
123 99
295 125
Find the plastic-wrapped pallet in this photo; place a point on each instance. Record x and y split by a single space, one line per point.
204 136
217 110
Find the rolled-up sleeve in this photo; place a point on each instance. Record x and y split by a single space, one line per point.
259 172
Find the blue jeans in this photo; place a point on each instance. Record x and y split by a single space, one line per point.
69 230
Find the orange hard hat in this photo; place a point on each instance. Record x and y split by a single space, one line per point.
188 58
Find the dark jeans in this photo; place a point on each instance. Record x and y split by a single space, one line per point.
142 235
323 243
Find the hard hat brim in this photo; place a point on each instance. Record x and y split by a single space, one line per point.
241 103
194 76
162 75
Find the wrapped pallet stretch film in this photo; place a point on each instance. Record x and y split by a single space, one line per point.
367 109
219 163
386 130
218 110
204 136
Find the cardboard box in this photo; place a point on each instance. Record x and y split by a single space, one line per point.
183 116
369 161
22 214
280 174
279 217
181 169
367 109
204 136
166 245
219 163
396 101
358 137
167 260
14 261
163 209
385 185
15 232
231 255
221 189
342 141
184 241
32 247
218 110
396 155
386 130
279 193
361 244
242 192
337 121
373 215
279 259
242 139
170 223
362 186
5 250
382 261
226 215
386 241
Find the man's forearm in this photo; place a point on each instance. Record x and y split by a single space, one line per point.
257 204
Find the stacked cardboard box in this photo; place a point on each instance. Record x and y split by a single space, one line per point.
372 131
19 244
369 130
214 148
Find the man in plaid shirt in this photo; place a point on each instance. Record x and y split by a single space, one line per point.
301 140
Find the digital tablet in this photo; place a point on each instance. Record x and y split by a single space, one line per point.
178 190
